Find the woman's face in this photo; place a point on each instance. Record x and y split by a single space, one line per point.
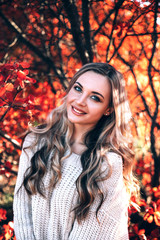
88 99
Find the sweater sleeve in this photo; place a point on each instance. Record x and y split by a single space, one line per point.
112 222
22 206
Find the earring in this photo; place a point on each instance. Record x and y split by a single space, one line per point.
106 114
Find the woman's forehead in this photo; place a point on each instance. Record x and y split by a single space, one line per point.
94 81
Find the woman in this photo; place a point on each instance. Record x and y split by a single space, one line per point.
75 174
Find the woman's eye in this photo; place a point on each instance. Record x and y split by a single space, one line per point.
77 88
95 98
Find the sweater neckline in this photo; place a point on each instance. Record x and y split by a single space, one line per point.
75 154
72 153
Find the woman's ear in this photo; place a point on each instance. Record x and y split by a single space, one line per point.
108 111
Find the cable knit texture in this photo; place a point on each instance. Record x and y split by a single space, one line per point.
52 218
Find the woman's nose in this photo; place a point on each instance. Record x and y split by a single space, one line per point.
82 100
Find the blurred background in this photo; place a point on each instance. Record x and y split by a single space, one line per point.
42 45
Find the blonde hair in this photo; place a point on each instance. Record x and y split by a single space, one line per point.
112 134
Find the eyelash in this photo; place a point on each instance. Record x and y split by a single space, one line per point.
96 99
76 88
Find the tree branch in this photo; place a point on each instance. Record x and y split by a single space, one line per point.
155 38
110 37
23 38
85 19
139 90
155 180
8 138
117 6
73 17
143 34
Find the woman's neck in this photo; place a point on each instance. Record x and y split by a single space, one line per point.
79 133
77 141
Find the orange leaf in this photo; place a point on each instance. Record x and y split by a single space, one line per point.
9 87
157 218
2 91
141 231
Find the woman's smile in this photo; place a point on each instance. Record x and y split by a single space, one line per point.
77 111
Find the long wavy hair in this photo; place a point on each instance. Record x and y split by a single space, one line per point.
111 133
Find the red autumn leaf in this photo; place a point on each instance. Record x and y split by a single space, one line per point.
3 213
21 83
8 165
31 107
1 103
16 83
31 80
16 65
19 101
26 71
21 75
7 66
2 91
31 98
1 78
141 232
8 77
2 171
25 64
9 96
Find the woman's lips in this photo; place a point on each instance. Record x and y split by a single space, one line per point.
77 111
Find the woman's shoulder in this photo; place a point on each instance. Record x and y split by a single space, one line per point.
113 183
35 134
113 155
112 164
29 140
33 142
114 159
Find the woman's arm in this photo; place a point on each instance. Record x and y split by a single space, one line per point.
112 223
22 206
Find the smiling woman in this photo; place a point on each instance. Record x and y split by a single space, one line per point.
75 175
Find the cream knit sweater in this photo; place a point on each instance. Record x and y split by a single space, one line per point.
52 218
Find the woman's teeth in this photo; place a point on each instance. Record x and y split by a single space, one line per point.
77 111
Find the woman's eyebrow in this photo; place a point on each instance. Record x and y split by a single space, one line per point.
79 84
92 91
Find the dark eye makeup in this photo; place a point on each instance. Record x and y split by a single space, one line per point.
93 97
77 88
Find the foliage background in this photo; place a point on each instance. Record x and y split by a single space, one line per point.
42 44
